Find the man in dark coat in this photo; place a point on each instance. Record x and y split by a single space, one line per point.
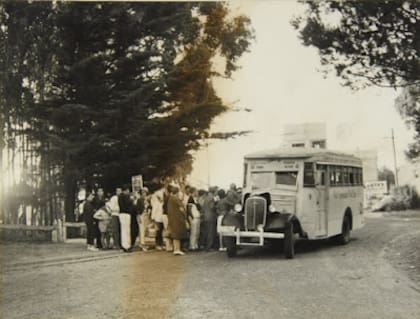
126 207
88 211
210 219
137 210
98 202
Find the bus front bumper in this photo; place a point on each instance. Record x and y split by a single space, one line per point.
230 231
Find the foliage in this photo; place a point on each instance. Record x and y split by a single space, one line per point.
111 90
408 104
369 43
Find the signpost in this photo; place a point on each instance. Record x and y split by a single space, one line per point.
137 183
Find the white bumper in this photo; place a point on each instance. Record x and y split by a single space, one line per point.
230 231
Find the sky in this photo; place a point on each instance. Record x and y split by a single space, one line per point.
280 82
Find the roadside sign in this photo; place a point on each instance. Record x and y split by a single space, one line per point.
376 188
137 183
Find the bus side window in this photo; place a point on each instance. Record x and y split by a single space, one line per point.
332 175
308 175
339 175
345 176
352 176
321 173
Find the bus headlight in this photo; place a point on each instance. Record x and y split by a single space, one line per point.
271 209
238 208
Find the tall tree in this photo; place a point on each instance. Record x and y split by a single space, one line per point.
369 43
124 88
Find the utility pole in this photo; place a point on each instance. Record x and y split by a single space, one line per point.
395 157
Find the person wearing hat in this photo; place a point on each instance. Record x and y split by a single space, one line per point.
177 220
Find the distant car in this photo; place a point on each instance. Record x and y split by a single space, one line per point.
392 202
384 204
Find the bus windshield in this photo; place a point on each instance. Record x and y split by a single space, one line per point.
261 180
286 178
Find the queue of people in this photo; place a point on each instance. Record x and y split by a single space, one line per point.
170 219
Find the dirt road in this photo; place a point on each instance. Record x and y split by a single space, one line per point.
360 280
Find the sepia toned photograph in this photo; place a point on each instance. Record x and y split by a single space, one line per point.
210 159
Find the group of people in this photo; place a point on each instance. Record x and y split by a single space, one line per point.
168 219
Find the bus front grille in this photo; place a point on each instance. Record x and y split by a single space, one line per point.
255 212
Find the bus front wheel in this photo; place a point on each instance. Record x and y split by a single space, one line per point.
289 242
344 237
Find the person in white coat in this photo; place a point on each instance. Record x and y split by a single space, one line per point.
194 219
126 207
156 201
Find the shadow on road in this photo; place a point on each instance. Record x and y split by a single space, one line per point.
303 248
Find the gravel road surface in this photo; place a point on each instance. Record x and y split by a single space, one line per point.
365 279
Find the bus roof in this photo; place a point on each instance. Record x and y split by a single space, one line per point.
310 154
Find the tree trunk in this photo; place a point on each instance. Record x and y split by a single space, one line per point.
70 189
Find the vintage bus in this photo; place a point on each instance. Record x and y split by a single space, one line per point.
296 193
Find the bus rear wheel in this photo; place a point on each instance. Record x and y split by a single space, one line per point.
230 243
344 237
289 242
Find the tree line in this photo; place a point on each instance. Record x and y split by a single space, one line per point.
93 93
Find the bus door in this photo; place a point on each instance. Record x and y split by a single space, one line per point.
322 199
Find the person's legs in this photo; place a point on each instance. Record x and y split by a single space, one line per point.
125 231
97 235
143 219
177 247
90 237
194 234
203 234
166 234
210 227
116 236
159 237
134 230
103 241
219 223
108 240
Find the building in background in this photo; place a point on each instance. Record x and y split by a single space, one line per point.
305 135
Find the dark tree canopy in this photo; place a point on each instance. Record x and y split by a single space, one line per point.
366 42
369 43
111 90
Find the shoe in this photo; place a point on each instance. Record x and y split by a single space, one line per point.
179 253
222 249
144 248
93 248
159 248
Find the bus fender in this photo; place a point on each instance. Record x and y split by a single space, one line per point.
233 219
